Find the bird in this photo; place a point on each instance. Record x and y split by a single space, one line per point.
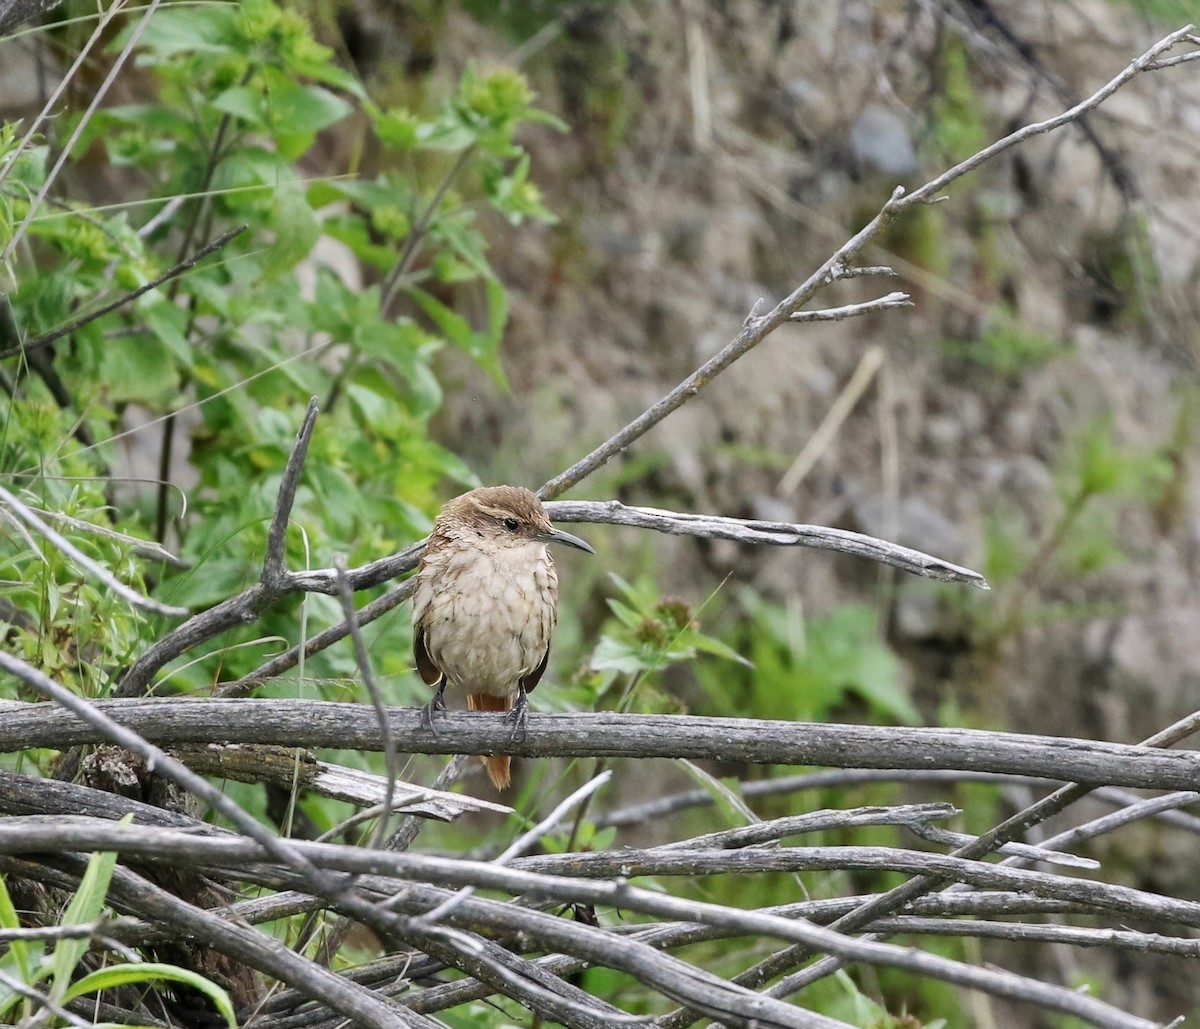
485 605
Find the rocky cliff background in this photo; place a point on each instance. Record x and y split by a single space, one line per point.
717 153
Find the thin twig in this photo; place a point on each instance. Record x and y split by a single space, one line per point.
417 232
677 523
521 844
775 829
784 534
274 570
97 97
1020 852
837 314
368 675
127 298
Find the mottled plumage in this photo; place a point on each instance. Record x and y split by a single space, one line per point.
486 602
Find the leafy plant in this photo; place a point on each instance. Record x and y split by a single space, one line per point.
220 359
805 669
649 634
58 969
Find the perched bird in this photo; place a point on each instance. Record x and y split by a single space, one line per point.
485 605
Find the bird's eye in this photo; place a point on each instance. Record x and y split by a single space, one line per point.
511 524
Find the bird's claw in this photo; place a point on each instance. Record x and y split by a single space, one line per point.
518 718
435 706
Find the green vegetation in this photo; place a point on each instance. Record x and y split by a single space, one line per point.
1171 13
30 963
222 359
1005 348
957 125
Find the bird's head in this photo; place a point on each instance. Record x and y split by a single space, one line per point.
505 516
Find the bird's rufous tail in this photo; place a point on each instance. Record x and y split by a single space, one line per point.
497 765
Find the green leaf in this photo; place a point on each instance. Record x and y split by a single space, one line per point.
297 113
86 906
457 230
169 322
628 617
204 28
139 368
9 920
151 972
242 102
616 656
723 793
717 648
483 347
249 177
297 229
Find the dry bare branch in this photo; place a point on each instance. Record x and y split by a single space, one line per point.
313 723
285 767
34 834
785 534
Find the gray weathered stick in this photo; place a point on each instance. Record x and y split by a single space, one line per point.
310 723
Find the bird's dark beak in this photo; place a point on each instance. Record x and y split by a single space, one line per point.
558 536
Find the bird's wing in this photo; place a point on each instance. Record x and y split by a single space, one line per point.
429 671
530 679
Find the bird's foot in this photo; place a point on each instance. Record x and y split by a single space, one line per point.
435 706
518 717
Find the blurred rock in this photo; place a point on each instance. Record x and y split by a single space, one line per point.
880 139
917 525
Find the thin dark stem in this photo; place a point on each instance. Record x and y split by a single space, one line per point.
392 284
162 503
126 298
246 606
274 571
